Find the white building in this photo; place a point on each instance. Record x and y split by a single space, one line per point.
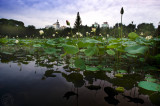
56 25
95 25
105 25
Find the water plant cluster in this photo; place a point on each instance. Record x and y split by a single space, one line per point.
123 57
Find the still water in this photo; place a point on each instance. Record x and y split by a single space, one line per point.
37 79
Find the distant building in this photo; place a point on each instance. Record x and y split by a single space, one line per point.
63 27
48 26
95 25
105 25
56 25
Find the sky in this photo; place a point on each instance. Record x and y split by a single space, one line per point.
46 12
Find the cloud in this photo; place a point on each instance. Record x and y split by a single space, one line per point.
46 12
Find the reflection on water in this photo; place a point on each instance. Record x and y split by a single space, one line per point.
30 78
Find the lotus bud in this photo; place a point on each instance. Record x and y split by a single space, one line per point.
67 22
122 11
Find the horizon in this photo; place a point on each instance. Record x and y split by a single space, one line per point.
42 13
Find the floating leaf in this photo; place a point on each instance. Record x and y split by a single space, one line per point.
37 45
110 52
50 50
50 42
151 79
119 75
149 85
79 63
88 68
107 69
120 89
121 71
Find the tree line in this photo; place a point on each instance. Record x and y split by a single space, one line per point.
13 28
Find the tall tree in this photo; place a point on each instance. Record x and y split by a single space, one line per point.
78 22
146 28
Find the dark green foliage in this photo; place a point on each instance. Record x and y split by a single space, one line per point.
78 22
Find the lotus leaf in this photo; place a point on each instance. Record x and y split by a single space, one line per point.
79 63
37 45
110 52
91 51
132 35
149 86
121 71
70 49
88 68
120 89
119 75
136 49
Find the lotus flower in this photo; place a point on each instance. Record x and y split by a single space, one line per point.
94 29
103 38
107 35
141 33
41 32
16 41
53 35
148 37
67 37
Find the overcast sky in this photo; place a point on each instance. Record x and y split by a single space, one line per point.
46 12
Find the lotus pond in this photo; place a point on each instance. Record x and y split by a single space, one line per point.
80 71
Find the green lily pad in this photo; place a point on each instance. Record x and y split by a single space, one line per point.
88 68
148 75
119 75
79 63
107 69
37 45
121 71
110 52
120 89
151 79
50 42
50 50
149 86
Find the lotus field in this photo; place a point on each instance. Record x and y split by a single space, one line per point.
128 67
